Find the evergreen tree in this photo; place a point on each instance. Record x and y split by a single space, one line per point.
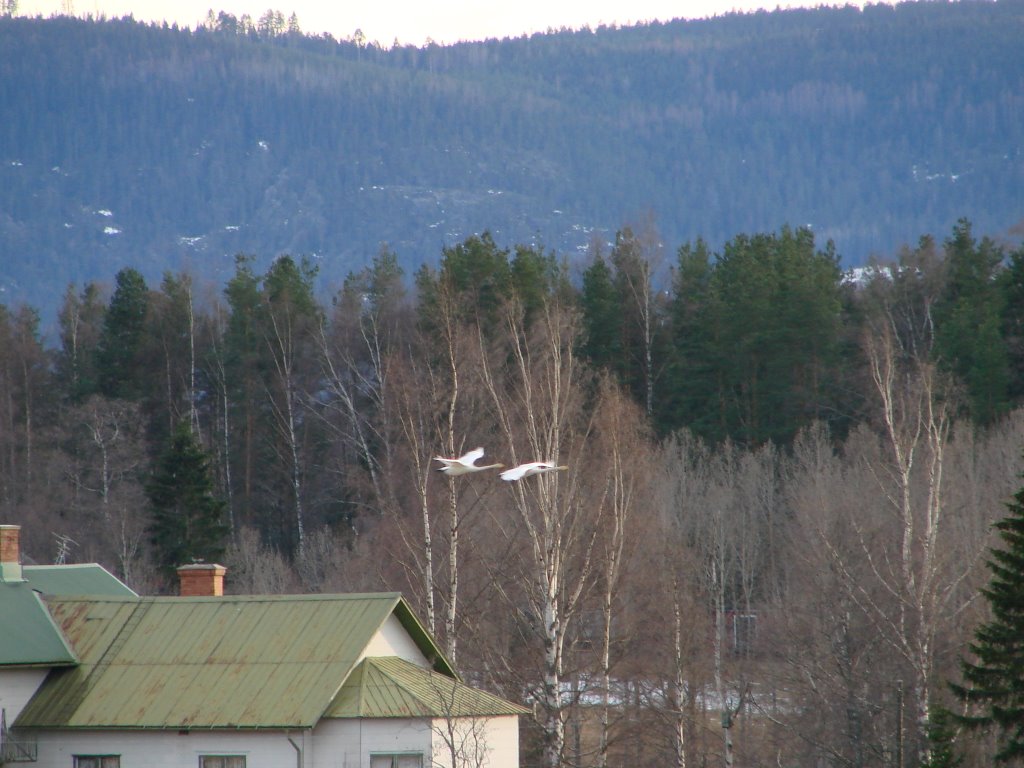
476 274
968 318
993 684
534 276
756 336
1011 283
602 317
941 736
188 519
120 344
695 364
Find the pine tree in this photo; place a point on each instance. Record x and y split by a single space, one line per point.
188 519
993 687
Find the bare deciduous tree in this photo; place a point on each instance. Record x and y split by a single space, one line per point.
539 404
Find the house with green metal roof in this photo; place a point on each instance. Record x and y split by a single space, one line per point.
208 680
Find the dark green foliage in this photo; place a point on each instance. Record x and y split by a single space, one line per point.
993 676
271 363
288 285
534 277
477 279
758 337
473 281
188 518
1011 282
942 740
602 315
968 323
694 365
376 289
118 354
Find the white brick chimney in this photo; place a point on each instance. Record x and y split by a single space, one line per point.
201 580
10 553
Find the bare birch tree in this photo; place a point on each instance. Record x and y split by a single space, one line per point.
721 503
638 256
538 401
620 443
907 571
290 317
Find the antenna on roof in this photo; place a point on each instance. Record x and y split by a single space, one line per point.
64 543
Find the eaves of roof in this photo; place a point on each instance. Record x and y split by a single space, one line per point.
76 579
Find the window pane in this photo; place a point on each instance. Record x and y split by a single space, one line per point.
380 761
97 761
221 761
410 761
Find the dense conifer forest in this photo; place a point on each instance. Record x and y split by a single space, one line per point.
130 144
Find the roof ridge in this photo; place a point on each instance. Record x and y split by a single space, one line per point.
227 598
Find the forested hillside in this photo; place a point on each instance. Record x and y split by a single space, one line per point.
768 539
123 144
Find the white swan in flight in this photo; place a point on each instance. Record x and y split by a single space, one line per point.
464 464
531 468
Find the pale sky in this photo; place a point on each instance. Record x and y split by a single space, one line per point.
414 21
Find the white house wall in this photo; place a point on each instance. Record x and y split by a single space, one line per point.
485 742
348 743
167 749
392 640
16 688
336 743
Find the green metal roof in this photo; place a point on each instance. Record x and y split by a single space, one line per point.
28 636
394 687
217 662
83 579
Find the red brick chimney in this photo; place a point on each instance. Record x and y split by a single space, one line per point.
201 580
10 553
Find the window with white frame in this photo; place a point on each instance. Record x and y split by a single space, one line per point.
222 761
397 760
97 761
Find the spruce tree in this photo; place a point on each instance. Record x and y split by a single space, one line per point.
188 519
117 353
942 738
993 683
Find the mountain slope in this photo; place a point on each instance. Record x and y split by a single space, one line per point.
165 148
